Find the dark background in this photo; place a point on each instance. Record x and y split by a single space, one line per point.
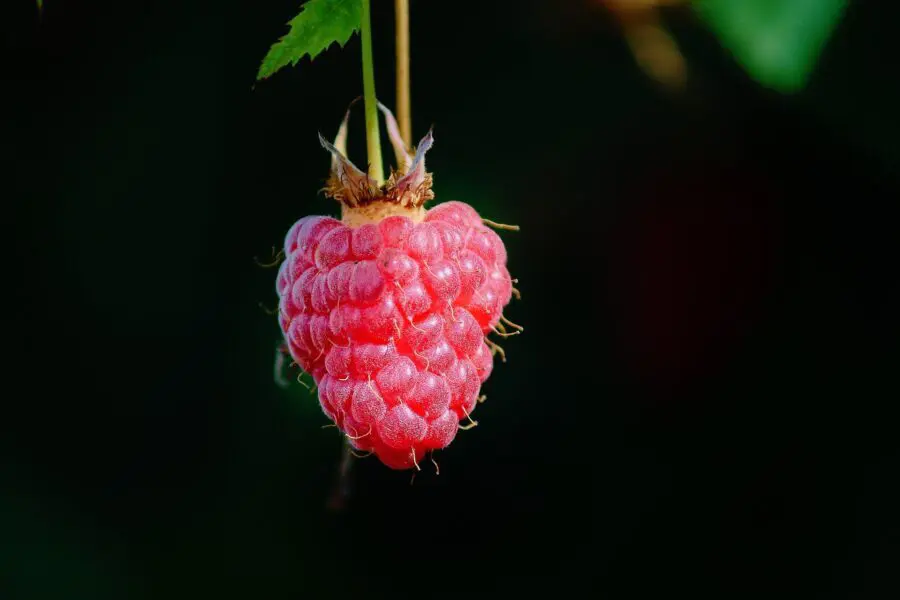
701 403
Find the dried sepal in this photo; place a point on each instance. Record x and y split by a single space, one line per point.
408 188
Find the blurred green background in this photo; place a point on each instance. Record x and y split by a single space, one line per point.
700 403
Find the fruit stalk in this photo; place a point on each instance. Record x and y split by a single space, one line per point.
373 140
404 111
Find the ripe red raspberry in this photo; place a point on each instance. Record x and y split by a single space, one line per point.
388 308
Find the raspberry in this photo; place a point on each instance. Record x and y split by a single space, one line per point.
388 309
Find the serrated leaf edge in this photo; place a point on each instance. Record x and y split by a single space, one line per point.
293 61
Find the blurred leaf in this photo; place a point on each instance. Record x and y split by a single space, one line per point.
778 42
319 24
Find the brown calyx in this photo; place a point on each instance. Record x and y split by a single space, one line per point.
363 200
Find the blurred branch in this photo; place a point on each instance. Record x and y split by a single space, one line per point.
778 44
340 492
654 49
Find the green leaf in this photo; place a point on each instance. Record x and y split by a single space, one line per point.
778 42
319 24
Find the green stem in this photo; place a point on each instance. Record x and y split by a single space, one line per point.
373 139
